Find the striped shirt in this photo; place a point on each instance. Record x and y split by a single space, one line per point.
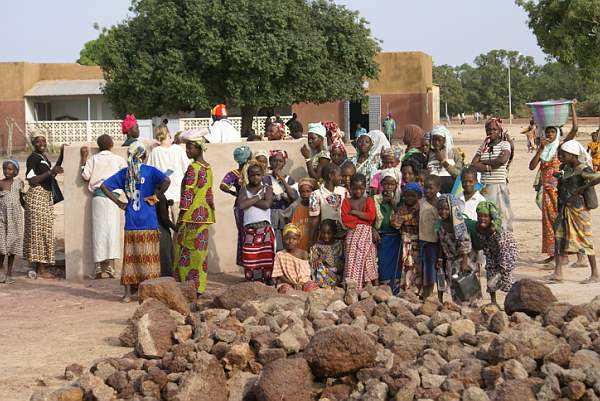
497 175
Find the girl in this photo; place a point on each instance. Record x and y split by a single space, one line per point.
573 227
366 160
38 244
410 173
429 248
358 215
262 156
443 160
390 160
348 170
231 184
291 269
407 221
11 216
325 203
327 256
317 146
258 249
338 153
593 149
106 216
298 212
142 185
283 192
197 213
454 240
492 160
499 246
386 235
276 132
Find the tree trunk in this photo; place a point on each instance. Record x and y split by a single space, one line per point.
248 113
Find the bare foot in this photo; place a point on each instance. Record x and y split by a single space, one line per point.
547 260
553 278
590 280
47 275
126 299
577 265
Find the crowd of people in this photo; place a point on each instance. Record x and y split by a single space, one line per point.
418 217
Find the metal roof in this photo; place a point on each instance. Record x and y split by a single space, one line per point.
67 87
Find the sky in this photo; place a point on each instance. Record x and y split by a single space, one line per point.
451 31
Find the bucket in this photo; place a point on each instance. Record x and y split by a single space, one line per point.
550 113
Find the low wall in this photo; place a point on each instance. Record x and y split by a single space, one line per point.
223 234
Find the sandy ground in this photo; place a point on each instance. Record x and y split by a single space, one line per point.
46 325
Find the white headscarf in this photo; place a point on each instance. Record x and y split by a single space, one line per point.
440 130
379 142
575 148
551 148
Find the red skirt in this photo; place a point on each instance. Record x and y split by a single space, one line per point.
258 253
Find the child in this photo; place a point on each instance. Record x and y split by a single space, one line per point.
386 235
291 269
231 185
165 225
142 184
327 256
500 249
530 133
325 202
262 156
454 240
11 216
573 227
407 221
283 192
358 215
410 173
348 171
428 239
470 197
258 248
298 212
593 149
106 216
390 160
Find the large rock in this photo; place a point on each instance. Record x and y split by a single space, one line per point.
164 289
241 386
524 339
154 333
234 296
206 381
528 296
128 336
513 390
339 351
285 380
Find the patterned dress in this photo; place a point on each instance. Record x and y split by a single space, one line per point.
368 167
549 202
191 247
390 244
501 253
232 179
292 271
593 149
11 220
327 263
407 221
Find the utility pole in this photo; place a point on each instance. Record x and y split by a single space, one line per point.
509 96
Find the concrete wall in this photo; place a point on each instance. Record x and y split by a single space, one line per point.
223 234
402 73
310 113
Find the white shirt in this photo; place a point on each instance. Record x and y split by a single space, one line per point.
222 131
469 208
100 167
174 162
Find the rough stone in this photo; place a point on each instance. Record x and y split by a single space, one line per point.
336 392
513 370
241 386
474 394
182 333
234 296
462 326
529 296
94 388
206 381
73 371
164 289
432 381
285 379
512 390
498 322
575 390
585 359
154 331
238 356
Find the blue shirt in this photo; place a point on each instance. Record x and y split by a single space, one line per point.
139 215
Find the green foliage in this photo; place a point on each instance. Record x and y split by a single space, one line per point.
183 55
567 29
89 54
452 92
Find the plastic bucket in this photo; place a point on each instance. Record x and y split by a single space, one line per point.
550 113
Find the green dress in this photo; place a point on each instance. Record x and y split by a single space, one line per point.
191 247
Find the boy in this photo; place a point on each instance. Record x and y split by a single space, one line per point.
428 239
470 196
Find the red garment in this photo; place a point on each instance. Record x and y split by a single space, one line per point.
351 221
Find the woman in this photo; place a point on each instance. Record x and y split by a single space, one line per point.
143 185
338 153
172 161
443 159
491 160
197 213
413 139
317 145
546 157
368 158
38 244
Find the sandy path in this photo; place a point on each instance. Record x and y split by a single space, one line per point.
46 325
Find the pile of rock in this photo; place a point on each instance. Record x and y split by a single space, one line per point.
251 343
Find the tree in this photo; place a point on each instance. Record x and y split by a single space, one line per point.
452 92
89 54
567 29
184 55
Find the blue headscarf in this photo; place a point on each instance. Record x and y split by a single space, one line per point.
241 154
413 186
14 163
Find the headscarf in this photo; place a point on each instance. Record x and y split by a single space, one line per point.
413 137
339 146
282 153
219 111
440 130
317 129
388 173
308 181
458 223
379 140
489 208
494 121
197 136
135 154
128 122
261 153
14 163
550 149
395 151
291 228
241 154
36 133
575 148
413 186
250 163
